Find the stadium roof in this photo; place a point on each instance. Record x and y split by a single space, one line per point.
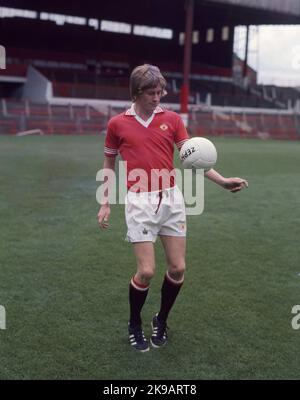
159 12
291 7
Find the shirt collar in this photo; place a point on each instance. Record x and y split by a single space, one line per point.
131 110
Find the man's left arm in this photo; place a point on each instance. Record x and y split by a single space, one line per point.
232 184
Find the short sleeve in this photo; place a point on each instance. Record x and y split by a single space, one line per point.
111 144
180 135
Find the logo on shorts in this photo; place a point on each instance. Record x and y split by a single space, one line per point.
145 232
163 127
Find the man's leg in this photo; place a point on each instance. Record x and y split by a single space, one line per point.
138 290
174 247
139 284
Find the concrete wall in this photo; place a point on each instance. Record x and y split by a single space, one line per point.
37 87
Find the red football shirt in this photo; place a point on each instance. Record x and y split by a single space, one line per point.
146 145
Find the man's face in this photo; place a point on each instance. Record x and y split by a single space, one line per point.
150 98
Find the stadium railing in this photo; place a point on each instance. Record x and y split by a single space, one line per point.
244 124
16 116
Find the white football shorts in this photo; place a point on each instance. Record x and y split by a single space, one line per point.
149 214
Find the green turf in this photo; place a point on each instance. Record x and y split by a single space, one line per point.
64 283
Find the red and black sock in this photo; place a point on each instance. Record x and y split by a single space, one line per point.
169 292
137 298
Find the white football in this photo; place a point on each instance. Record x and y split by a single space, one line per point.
198 153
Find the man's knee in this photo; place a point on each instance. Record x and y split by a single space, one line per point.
145 273
176 269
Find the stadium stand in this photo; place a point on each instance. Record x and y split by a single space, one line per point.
75 89
112 83
71 80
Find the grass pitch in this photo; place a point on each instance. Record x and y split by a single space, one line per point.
64 283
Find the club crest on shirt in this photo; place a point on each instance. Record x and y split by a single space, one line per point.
163 127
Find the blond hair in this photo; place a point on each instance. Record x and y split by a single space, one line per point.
146 77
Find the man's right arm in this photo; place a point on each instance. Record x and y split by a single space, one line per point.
104 212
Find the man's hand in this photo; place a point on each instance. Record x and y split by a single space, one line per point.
103 216
235 184
232 184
